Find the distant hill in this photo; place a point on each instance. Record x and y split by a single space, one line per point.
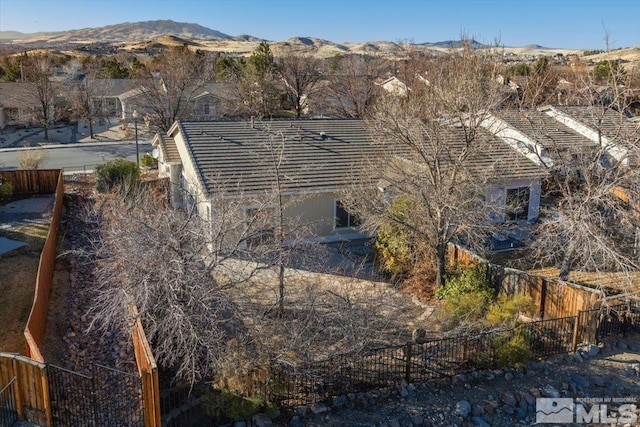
155 35
12 35
127 32
452 44
163 42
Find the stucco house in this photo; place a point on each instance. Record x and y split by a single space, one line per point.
549 132
17 103
317 161
110 94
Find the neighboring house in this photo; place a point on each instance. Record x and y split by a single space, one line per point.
394 86
109 92
319 159
604 127
132 101
537 135
206 104
549 131
557 137
15 105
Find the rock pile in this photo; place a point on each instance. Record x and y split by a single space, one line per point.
501 397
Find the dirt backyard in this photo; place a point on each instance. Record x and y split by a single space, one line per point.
20 224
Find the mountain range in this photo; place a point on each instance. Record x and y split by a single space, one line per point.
136 36
125 32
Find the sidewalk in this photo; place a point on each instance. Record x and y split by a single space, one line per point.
109 131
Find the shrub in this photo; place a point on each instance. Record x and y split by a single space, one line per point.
32 159
147 161
512 351
116 172
393 249
235 407
465 281
463 309
467 296
6 189
506 310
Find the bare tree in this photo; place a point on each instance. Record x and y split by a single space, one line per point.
204 289
170 83
39 91
157 259
351 86
300 75
590 221
87 97
432 136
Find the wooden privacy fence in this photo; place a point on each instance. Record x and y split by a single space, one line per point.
552 298
27 394
148 371
34 331
38 408
37 181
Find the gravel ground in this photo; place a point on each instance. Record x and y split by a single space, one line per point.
492 398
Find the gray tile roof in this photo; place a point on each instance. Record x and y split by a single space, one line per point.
236 154
16 95
612 124
543 129
112 87
168 147
489 158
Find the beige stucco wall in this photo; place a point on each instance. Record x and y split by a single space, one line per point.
497 194
309 217
317 214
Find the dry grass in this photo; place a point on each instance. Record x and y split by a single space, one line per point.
19 269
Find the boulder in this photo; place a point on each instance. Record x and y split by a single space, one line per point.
463 408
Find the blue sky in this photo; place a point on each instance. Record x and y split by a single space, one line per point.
572 24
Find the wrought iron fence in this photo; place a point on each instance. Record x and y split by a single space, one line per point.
188 406
417 362
618 320
288 386
106 397
8 410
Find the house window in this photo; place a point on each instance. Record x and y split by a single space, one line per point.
12 114
344 219
260 226
517 208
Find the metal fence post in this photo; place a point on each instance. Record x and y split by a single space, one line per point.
94 395
407 368
576 331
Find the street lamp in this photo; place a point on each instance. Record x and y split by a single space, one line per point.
135 126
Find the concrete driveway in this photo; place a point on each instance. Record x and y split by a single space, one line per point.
34 210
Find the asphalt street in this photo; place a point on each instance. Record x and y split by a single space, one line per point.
81 157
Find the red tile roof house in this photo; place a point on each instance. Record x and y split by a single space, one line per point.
318 161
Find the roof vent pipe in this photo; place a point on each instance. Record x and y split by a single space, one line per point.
252 126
